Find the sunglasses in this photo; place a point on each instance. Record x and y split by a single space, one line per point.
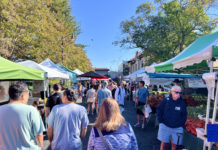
177 92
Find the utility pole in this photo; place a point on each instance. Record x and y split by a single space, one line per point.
62 52
62 48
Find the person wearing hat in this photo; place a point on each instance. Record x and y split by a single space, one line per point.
176 82
102 94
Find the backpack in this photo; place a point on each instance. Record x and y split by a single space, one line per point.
113 93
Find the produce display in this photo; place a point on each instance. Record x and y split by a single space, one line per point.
155 99
192 124
189 100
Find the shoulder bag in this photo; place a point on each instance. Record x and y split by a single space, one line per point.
106 144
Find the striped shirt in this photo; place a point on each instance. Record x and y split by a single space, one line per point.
121 139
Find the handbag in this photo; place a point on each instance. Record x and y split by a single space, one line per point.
104 140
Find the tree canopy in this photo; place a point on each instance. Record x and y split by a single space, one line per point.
41 29
163 28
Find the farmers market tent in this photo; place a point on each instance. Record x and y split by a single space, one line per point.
12 71
78 72
48 63
51 73
133 75
204 48
91 74
103 78
166 78
71 73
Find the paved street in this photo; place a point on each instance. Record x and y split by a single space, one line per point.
146 137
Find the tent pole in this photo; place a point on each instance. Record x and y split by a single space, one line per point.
208 110
215 105
214 111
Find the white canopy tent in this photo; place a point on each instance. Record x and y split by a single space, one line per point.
51 73
78 72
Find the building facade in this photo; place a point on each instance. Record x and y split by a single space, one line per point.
137 62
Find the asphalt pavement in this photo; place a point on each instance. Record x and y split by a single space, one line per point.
146 137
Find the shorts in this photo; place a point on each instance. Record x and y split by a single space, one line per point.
91 100
167 134
140 108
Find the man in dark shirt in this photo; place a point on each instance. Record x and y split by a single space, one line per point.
54 99
172 115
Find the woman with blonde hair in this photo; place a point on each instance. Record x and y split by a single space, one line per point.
111 131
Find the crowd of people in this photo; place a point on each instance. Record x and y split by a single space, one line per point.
67 122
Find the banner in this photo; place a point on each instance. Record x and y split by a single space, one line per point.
196 83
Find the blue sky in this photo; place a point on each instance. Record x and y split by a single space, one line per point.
99 21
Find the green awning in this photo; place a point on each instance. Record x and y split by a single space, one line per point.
204 48
215 51
13 71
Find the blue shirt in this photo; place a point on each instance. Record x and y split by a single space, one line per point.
143 94
20 123
121 139
67 120
102 94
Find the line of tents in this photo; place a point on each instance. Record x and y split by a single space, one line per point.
202 51
30 70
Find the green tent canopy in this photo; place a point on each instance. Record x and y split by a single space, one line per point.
13 71
204 48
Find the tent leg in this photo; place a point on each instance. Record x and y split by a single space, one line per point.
207 117
214 111
208 109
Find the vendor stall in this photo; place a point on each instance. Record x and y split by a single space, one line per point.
204 49
51 75
10 71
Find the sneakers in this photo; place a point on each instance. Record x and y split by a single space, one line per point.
137 125
143 126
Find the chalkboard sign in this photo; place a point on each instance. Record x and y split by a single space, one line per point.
212 132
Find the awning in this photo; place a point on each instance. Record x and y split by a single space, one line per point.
204 48
48 63
51 73
13 71
91 74
78 72
71 73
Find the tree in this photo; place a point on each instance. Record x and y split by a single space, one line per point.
165 28
40 29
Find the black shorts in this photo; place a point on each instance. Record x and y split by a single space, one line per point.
140 108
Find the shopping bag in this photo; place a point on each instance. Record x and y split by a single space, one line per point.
147 110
